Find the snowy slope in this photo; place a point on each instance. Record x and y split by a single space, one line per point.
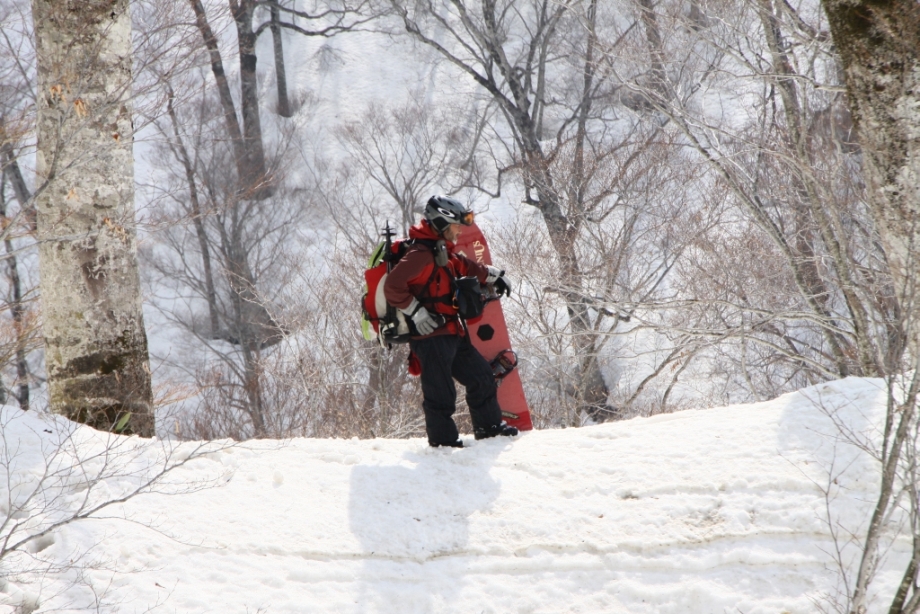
701 511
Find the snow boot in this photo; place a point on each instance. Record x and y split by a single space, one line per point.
456 444
502 428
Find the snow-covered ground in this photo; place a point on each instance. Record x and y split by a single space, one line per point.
717 510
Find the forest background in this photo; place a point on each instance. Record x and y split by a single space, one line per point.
676 190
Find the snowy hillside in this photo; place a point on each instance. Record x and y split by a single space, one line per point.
715 510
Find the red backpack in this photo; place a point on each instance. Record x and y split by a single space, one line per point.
380 319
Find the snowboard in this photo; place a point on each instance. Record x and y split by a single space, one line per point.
489 335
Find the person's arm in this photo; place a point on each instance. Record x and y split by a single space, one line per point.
408 272
471 268
486 273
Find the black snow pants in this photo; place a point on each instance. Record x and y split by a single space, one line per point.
444 358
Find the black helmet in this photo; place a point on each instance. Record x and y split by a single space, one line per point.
442 211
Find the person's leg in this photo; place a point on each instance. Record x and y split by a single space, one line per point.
474 372
436 355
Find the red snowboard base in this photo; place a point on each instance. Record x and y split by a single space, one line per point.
489 334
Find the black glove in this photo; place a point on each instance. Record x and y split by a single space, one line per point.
496 277
502 287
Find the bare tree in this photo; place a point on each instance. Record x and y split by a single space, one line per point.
239 224
21 336
394 159
249 156
822 303
254 176
284 104
561 140
96 345
25 328
331 18
228 253
17 226
879 46
404 154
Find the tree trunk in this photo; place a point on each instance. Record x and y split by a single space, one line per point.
197 216
93 325
247 143
11 170
245 327
591 392
17 309
592 388
284 105
879 45
254 183
657 75
815 206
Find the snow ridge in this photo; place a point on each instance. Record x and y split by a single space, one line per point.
701 511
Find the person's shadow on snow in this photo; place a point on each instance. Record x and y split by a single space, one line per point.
412 520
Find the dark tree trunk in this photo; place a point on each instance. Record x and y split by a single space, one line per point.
246 325
254 181
17 309
11 172
284 105
247 142
197 218
223 87
563 229
653 38
10 166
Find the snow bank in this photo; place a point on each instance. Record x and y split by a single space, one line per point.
715 510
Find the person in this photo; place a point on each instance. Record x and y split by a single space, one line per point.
422 286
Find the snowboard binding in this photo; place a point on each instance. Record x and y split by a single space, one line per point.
503 364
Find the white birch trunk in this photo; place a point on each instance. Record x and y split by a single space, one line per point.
95 343
879 44
880 48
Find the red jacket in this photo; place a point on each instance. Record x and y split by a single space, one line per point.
409 276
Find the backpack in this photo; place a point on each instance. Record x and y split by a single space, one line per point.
381 320
387 323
